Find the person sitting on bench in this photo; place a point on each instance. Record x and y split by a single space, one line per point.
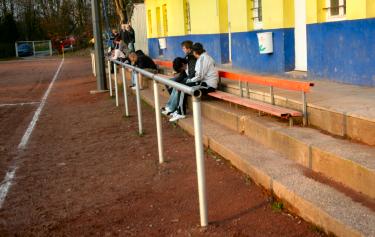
206 76
180 76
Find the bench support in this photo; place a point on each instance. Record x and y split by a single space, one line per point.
247 90
241 89
290 121
272 95
304 109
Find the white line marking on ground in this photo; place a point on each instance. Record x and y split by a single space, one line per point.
19 104
26 136
7 182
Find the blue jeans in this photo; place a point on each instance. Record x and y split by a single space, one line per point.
134 78
173 100
176 102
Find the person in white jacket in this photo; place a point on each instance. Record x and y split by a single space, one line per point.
206 76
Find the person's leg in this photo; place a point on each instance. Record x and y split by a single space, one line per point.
140 80
173 100
134 77
131 47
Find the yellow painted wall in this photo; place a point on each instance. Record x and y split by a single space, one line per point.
370 8
239 16
223 15
288 13
355 9
204 17
211 16
175 17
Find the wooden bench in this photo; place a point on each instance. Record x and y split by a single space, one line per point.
269 108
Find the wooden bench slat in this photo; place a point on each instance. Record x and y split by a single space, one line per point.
268 108
268 81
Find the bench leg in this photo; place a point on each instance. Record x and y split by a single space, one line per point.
290 121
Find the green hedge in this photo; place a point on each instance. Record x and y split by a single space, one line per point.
7 50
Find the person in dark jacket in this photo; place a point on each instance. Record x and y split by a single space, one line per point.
180 76
143 61
191 60
128 36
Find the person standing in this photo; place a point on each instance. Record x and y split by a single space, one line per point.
128 36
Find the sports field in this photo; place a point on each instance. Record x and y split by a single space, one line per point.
72 165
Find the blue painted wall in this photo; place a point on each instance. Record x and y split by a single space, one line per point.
342 51
217 45
245 52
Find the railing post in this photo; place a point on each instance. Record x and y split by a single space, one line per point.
109 78
16 44
199 153
33 48
115 77
138 98
50 47
304 109
158 122
272 95
125 92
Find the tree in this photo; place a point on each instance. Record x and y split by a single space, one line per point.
124 9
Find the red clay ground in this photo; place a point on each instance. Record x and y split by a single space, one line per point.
86 172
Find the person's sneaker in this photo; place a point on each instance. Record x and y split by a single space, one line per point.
166 111
176 117
173 114
133 88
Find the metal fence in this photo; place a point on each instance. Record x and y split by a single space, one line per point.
33 48
196 95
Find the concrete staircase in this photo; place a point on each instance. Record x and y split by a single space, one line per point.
328 181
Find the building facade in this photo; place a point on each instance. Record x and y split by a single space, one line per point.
330 39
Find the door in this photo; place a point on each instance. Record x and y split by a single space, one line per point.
300 35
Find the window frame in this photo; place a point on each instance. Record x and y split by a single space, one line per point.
255 9
187 17
342 11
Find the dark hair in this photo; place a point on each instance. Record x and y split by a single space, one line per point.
178 63
187 44
139 52
198 48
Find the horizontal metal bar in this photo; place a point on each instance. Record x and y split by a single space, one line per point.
194 91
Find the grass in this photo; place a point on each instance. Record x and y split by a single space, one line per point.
277 206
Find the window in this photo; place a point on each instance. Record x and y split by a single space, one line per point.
149 19
158 21
336 9
255 13
165 20
187 16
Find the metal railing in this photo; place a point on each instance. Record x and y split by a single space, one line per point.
196 95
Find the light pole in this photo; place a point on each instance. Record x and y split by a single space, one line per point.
99 52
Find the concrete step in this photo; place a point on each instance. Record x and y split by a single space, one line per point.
314 201
349 163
